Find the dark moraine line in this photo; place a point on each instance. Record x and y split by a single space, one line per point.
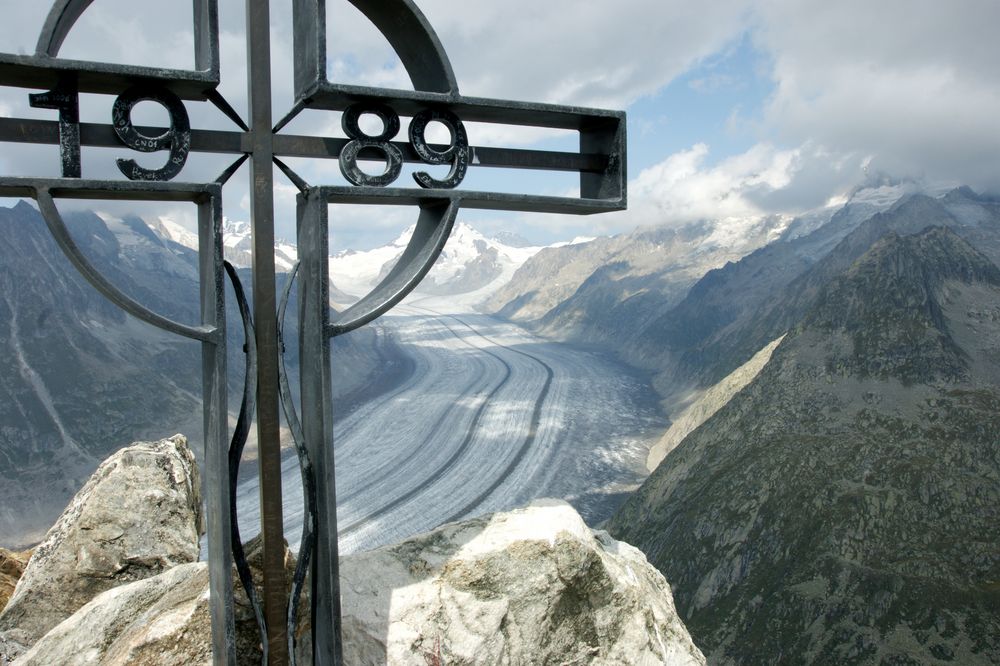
434 430
536 418
440 471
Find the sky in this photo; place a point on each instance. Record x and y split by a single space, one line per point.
735 108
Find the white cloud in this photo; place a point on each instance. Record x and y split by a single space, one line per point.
913 84
682 188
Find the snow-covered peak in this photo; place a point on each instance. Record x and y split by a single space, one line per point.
470 261
883 195
576 241
235 228
175 232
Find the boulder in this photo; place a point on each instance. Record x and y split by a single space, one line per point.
532 586
137 516
160 620
12 565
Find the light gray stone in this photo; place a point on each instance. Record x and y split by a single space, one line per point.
137 516
160 620
533 586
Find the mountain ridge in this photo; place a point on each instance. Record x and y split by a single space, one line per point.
837 509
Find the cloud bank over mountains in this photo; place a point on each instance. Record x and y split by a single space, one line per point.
902 88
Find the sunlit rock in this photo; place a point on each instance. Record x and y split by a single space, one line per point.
530 586
138 515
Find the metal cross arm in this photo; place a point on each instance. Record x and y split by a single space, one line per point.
604 168
261 142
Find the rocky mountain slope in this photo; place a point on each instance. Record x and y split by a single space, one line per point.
79 378
732 313
842 508
690 313
606 289
529 586
76 373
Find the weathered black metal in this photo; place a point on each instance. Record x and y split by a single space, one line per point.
66 100
600 163
176 139
236 446
290 145
307 540
261 149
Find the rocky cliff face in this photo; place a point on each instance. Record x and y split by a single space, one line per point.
12 565
731 313
137 516
842 507
531 586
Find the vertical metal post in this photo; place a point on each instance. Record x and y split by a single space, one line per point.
604 137
215 479
264 306
317 423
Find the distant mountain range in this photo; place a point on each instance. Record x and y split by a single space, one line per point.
692 304
829 493
470 261
79 378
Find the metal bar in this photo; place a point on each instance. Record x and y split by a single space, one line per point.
231 169
78 188
437 217
337 97
98 77
220 102
605 136
307 542
236 445
515 158
66 243
23 130
215 481
290 174
206 37
317 423
413 39
265 303
395 196
290 145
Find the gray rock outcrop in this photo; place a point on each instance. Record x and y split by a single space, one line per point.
842 508
12 565
138 516
160 620
533 586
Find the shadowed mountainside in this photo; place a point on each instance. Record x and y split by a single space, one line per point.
842 508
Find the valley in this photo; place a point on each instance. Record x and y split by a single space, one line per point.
490 418
832 379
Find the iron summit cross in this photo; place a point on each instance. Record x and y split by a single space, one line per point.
259 140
